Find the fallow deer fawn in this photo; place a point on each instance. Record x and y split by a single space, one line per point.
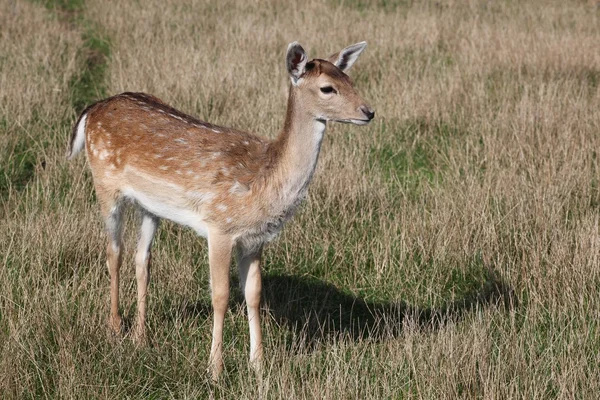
234 188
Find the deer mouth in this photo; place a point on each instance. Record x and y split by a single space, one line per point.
354 121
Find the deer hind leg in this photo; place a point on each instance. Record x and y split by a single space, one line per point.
219 258
143 259
112 211
251 285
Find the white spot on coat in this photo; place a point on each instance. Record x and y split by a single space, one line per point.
201 196
238 188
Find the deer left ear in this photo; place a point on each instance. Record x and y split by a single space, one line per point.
296 61
347 57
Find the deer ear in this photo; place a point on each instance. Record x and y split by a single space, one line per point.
347 57
296 61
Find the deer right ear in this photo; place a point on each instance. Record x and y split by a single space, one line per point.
347 57
296 61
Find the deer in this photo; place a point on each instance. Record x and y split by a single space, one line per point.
234 188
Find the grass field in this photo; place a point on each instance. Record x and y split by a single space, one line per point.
451 249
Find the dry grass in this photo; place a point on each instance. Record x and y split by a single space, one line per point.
450 249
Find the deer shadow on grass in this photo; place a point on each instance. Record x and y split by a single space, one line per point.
315 311
319 310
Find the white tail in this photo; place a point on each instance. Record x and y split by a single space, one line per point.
78 137
234 188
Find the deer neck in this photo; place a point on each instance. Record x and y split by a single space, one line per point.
295 152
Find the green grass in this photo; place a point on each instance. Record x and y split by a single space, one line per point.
89 85
18 164
412 153
365 5
25 151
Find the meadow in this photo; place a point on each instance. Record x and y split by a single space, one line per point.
450 249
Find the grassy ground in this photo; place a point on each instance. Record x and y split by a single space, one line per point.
449 249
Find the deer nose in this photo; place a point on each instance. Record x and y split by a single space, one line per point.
370 114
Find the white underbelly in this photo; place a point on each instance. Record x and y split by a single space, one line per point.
168 210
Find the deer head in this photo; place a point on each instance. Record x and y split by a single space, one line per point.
322 88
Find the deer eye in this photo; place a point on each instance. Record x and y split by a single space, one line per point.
327 89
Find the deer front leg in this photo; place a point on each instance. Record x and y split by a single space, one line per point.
251 284
219 258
